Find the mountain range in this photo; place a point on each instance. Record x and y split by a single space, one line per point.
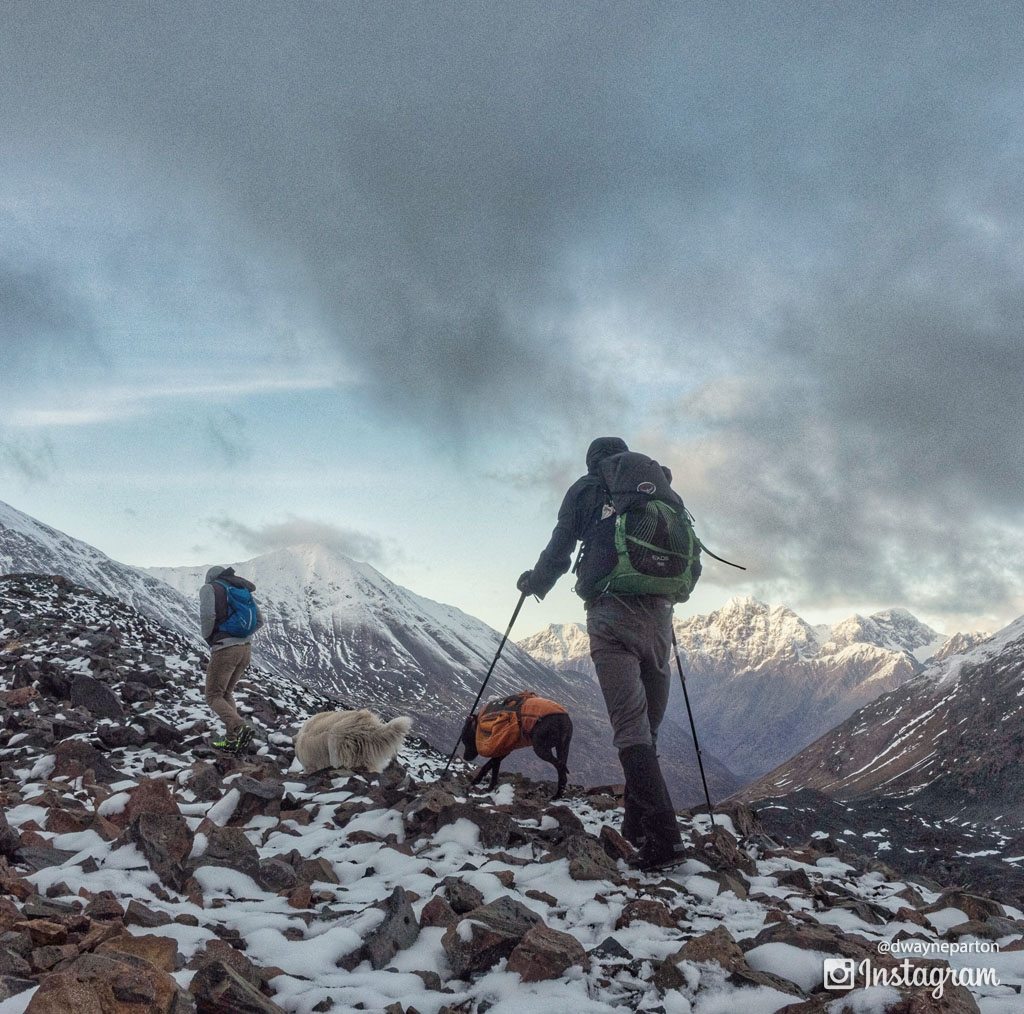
952 738
763 682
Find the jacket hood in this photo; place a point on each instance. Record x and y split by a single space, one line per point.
228 576
601 448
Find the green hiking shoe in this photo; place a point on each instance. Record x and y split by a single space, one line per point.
244 737
236 743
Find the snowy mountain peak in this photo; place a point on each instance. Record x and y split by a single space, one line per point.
893 629
558 643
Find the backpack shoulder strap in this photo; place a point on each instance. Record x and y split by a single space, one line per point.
220 603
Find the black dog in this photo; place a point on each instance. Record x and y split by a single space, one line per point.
550 739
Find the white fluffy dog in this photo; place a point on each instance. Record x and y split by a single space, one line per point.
350 739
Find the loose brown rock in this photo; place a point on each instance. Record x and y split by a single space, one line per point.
545 953
160 952
645 910
437 912
718 946
218 988
486 935
101 984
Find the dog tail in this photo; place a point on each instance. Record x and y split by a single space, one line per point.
401 725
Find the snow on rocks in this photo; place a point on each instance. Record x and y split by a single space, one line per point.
158 875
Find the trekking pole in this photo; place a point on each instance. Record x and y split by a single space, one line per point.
693 730
497 655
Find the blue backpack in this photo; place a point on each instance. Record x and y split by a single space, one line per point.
242 616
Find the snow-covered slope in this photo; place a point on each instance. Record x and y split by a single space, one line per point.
28 546
952 738
142 872
764 683
343 628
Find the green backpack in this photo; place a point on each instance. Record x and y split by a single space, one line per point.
646 534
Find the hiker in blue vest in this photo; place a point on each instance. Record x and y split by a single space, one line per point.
629 617
229 617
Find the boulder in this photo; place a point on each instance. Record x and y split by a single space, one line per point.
545 953
718 946
218 988
166 842
96 697
437 912
151 795
398 931
257 798
486 935
588 860
645 910
74 757
461 896
160 952
229 847
104 984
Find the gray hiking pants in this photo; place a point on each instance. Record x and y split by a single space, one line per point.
630 639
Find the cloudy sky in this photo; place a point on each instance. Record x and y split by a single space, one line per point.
375 274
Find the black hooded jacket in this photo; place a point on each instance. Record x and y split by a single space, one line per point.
580 511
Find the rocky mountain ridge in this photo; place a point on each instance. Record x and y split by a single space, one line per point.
952 737
29 546
344 630
763 682
143 873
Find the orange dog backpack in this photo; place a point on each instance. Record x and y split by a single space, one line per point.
506 723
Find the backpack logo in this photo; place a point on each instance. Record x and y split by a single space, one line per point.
653 548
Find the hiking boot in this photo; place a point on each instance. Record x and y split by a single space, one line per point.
243 737
237 742
649 805
655 855
632 826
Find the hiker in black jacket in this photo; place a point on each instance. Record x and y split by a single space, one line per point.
630 636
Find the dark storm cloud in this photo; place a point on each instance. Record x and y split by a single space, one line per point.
529 216
296 531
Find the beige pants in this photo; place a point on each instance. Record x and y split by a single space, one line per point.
226 666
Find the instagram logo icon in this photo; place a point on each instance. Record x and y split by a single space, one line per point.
840 973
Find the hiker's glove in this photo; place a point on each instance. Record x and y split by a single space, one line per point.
523 584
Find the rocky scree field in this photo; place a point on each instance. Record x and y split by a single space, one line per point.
140 872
